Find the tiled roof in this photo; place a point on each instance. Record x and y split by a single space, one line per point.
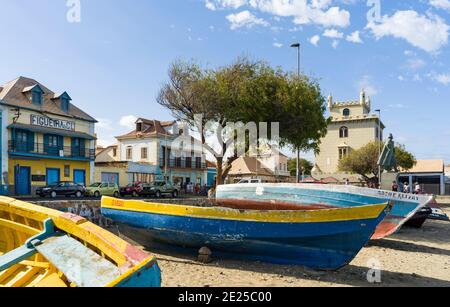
249 166
428 166
13 94
152 128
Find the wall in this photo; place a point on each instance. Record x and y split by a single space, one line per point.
122 171
39 167
360 134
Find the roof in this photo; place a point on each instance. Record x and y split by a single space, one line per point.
151 128
428 166
14 94
248 166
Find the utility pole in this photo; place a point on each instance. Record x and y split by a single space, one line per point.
297 45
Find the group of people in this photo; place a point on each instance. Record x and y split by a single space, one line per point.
196 189
406 188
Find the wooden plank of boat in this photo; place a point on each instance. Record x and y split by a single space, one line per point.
101 258
323 239
279 196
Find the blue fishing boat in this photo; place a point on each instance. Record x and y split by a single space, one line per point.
300 196
322 239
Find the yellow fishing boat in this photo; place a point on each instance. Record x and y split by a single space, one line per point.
41 247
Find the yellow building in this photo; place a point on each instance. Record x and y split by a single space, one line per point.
353 126
44 139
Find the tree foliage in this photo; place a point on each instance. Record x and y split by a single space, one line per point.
245 91
305 165
364 161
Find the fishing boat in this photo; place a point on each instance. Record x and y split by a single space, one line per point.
298 196
41 247
318 238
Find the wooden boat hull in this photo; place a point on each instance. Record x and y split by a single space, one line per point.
66 251
279 196
322 239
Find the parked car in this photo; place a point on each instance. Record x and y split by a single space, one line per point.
243 181
62 189
103 189
158 189
132 189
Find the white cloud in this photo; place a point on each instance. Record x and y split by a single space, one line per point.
335 44
303 12
415 64
214 5
333 33
367 84
278 45
354 38
128 121
314 40
409 53
104 124
244 19
440 78
428 32
441 4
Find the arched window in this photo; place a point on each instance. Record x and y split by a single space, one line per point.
343 132
346 112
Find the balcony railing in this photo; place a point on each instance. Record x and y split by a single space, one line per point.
182 163
46 150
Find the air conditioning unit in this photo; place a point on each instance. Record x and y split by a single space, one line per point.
61 153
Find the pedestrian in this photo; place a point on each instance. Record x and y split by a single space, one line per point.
417 188
406 189
394 186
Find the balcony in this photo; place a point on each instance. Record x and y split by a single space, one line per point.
182 163
46 151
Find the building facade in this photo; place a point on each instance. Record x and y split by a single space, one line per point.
353 126
156 149
45 138
429 174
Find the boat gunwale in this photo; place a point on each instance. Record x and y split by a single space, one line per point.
261 216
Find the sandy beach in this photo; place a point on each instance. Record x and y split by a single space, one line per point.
412 257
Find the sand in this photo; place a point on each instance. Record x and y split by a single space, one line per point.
412 257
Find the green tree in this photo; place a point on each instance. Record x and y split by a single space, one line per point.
245 91
364 161
305 165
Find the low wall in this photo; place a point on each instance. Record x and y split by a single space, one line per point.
443 200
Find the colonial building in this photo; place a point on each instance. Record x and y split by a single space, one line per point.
353 126
45 138
154 149
271 166
430 174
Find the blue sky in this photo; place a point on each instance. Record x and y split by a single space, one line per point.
114 60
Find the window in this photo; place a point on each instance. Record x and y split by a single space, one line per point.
139 127
343 132
144 153
343 152
65 104
129 153
114 152
346 112
36 96
53 141
67 171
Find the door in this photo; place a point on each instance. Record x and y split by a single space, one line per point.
23 180
53 176
79 177
110 178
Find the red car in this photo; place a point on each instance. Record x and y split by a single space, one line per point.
131 190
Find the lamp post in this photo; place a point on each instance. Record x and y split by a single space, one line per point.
297 45
381 142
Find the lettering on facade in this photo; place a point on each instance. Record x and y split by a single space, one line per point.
43 121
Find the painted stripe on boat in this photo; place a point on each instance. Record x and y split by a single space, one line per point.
325 215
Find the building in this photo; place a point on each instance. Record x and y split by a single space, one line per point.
154 149
45 138
352 127
429 174
269 167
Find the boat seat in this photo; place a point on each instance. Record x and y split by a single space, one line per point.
28 249
79 264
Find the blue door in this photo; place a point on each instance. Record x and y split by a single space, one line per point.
79 177
23 180
53 176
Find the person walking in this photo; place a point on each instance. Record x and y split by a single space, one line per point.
418 189
406 189
394 186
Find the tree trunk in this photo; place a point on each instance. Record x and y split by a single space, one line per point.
219 178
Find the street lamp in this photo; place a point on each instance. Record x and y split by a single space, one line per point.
297 45
381 141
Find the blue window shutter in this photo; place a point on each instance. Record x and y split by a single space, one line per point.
60 142
30 141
